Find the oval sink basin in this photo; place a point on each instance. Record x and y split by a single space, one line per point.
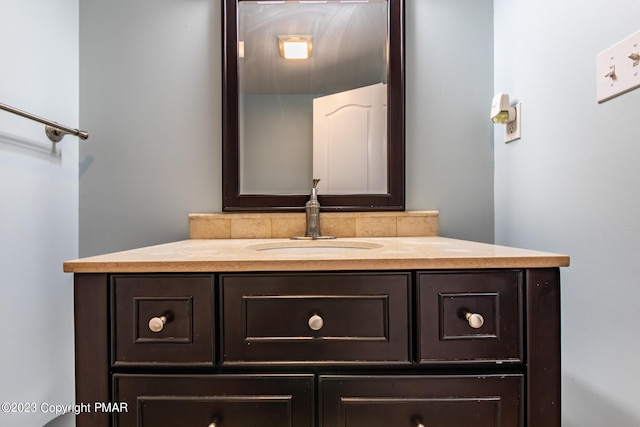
311 246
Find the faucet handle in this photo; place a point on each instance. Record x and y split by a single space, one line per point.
315 182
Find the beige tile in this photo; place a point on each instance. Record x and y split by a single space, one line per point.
414 226
284 227
421 213
258 228
392 214
376 226
338 226
207 228
288 224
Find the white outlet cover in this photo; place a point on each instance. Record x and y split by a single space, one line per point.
617 71
513 130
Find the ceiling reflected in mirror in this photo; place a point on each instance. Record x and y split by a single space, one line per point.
349 42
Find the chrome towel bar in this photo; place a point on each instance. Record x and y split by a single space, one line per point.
55 131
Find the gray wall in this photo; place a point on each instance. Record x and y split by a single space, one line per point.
150 91
38 207
570 185
449 136
277 148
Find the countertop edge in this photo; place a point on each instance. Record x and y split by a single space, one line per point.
319 265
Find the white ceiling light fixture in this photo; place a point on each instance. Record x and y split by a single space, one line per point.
295 47
510 115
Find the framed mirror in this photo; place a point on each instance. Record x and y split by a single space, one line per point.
333 109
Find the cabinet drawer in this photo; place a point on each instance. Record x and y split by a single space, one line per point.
335 318
482 401
162 320
470 317
224 400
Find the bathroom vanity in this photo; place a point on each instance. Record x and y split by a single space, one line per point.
388 331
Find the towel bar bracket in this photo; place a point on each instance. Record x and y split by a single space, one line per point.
54 131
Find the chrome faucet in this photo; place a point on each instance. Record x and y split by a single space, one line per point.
312 210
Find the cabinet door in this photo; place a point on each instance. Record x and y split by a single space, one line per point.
214 400
427 401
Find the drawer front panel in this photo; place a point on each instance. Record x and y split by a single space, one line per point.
162 320
234 400
487 401
294 326
316 318
468 317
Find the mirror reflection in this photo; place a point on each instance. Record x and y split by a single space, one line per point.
312 96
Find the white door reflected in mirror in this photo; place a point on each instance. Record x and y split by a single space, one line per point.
350 141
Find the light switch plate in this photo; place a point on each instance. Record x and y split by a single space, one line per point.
618 68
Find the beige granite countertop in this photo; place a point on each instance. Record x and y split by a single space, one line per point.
381 253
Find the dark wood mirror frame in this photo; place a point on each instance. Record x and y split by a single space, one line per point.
232 200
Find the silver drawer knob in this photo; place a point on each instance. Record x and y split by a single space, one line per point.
316 322
212 425
156 324
475 320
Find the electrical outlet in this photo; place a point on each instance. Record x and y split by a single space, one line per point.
513 130
618 68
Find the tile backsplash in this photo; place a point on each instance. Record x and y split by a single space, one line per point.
339 224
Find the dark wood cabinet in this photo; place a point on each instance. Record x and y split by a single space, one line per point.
470 317
426 400
360 319
215 400
331 349
182 307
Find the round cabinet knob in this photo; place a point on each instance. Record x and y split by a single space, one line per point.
316 322
212 425
475 320
156 324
